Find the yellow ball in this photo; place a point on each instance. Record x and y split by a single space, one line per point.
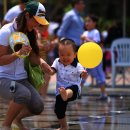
90 55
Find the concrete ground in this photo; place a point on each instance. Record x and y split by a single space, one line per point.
85 113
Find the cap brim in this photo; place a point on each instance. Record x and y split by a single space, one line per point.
41 21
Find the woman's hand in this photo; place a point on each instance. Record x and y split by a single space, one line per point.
26 49
46 68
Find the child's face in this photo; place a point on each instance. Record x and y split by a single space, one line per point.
90 24
66 54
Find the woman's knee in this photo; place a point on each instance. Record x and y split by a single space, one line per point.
37 108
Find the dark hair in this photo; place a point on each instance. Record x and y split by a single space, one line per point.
67 41
93 17
24 1
73 2
22 27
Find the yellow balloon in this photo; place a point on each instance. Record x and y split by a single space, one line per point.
90 55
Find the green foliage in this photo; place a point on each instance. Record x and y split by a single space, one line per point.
69 7
13 2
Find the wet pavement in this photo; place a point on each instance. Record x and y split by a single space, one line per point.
83 114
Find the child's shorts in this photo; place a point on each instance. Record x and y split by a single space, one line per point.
99 74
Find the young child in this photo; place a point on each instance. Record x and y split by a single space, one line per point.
92 35
69 74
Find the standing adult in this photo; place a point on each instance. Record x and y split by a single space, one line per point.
14 85
14 12
72 24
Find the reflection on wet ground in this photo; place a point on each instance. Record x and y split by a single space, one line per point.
84 114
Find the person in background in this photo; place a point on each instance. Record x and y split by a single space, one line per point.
92 34
45 46
72 25
69 74
14 12
14 85
114 31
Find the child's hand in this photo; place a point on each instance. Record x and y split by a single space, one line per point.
85 39
84 74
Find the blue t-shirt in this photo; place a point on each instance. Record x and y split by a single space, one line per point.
72 26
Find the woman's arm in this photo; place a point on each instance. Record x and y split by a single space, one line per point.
6 57
36 60
46 68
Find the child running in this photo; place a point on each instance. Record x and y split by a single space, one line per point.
69 74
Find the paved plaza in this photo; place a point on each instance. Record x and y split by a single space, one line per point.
86 113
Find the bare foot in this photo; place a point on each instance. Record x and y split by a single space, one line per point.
20 125
62 129
58 129
63 94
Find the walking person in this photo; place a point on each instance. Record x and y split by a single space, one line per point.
72 25
14 12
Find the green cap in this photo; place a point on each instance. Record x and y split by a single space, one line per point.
38 11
